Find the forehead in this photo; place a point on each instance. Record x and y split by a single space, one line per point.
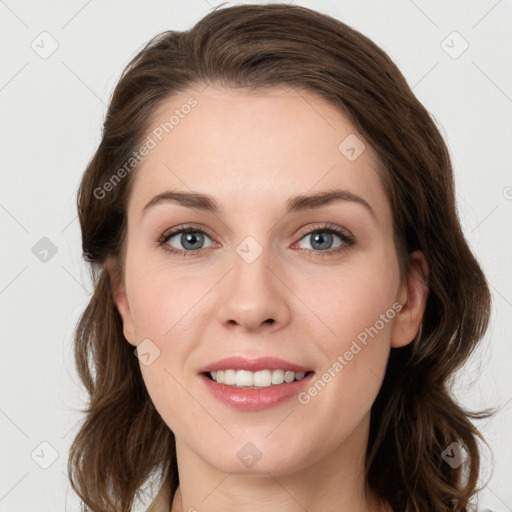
256 147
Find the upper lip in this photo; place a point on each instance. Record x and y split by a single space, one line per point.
253 365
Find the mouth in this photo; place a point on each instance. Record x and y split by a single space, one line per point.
255 380
254 384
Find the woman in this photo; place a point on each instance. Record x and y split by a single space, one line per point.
271 221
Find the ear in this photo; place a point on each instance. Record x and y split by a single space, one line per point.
120 298
412 296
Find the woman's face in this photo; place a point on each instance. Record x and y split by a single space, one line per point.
262 276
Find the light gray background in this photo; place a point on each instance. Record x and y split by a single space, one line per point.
51 114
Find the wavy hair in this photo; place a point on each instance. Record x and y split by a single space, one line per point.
123 442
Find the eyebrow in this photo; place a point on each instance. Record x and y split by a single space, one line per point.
298 203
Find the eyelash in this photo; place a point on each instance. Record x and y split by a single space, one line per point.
325 228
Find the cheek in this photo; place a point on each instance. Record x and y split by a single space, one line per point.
356 309
159 299
163 304
350 300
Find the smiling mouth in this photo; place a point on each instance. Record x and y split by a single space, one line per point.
256 380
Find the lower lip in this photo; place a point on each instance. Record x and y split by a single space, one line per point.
247 399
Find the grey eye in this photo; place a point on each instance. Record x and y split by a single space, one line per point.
321 240
189 240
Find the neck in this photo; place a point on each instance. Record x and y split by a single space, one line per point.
333 483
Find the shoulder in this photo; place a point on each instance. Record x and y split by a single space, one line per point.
160 502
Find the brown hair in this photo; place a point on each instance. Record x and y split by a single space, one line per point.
123 441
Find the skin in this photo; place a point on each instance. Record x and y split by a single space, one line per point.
253 151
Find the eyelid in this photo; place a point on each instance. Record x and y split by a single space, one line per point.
325 226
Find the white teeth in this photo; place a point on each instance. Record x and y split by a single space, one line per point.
229 377
259 379
277 376
262 379
289 376
242 378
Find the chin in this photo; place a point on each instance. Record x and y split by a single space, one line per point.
257 455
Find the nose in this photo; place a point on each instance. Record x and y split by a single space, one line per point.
254 295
